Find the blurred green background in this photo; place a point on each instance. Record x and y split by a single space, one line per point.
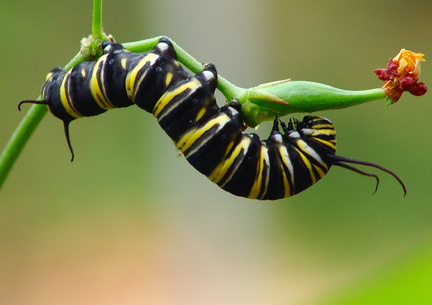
130 222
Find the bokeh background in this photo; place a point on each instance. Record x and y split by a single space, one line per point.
130 222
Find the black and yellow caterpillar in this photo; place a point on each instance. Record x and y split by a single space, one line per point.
210 137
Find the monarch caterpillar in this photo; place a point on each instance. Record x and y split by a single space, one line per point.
210 137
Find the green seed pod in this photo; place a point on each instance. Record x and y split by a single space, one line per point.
266 101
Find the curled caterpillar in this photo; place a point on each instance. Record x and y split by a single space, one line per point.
210 137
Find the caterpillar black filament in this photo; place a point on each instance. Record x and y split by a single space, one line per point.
210 137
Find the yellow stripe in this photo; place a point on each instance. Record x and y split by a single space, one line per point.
49 75
97 91
256 188
132 75
326 143
168 78
169 95
283 153
323 126
307 164
307 150
220 171
200 114
321 173
329 132
83 73
65 98
287 189
189 138
123 63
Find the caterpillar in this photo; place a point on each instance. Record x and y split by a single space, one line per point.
212 138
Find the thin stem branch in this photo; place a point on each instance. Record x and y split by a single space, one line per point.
97 19
19 138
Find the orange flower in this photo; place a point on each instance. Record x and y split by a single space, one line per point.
408 62
402 74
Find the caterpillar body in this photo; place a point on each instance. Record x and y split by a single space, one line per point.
212 138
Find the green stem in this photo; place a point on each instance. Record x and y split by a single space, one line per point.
97 30
19 138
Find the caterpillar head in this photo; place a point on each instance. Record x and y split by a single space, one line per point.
51 85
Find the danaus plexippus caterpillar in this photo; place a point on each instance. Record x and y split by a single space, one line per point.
210 137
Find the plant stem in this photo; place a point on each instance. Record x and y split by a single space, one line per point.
97 30
19 138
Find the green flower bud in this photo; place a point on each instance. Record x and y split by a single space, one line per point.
90 49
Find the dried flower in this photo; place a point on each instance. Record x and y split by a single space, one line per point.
402 74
